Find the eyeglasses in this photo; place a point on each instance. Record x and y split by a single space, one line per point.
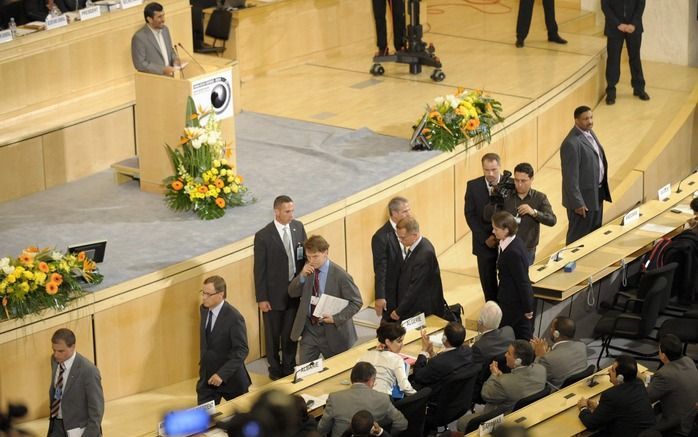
204 294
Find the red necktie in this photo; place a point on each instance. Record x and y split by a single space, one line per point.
316 293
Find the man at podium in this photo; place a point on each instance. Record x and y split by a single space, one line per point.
151 46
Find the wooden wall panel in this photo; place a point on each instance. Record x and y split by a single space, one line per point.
21 169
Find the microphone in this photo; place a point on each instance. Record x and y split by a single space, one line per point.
557 256
190 55
593 382
678 189
180 61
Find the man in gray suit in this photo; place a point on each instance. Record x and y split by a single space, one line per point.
342 405
675 385
584 177
566 357
328 334
76 397
151 46
503 390
493 341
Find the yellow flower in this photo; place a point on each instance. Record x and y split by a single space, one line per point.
3 285
24 286
234 188
223 172
11 279
19 270
226 190
238 180
40 278
230 179
216 163
224 162
28 275
214 171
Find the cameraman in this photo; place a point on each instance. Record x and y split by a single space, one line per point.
528 206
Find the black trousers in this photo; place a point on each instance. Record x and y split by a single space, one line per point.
579 226
281 350
523 23
614 47
397 9
487 269
512 316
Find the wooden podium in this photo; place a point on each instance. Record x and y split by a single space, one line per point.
160 114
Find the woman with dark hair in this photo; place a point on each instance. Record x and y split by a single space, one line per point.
515 294
391 369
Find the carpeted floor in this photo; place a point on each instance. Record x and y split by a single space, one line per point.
315 164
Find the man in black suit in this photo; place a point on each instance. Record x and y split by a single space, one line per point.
397 11
523 22
624 410
223 349
515 294
419 286
387 258
278 258
477 197
430 369
584 176
623 24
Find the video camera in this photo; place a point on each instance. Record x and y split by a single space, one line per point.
14 411
503 189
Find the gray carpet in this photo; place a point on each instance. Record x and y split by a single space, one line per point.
315 164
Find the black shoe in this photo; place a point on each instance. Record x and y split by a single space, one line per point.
610 100
274 375
519 43
641 94
557 39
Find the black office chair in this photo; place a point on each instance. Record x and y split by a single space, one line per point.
414 408
532 398
686 329
632 325
218 28
475 422
579 376
646 282
455 398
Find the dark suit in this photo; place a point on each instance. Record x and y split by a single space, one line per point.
675 385
397 10
623 12
477 197
36 10
523 22
223 352
145 51
515 295
419 287
387 261
624 411
434 371
271 272
328 339
82 403
580 183
493 344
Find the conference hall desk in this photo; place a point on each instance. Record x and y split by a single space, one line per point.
557 414
607 248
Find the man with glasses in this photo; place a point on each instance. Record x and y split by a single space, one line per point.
223 349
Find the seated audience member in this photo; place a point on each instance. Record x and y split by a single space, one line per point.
38 10
363 425
624 410
430 369
342 405
503 390
493 341
391 369
693 221
566 357
307 425
675 386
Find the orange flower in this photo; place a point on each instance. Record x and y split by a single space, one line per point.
177 185
32 249
239 178
51 288
425 131
228 152
220 202
202 189
26 259
81 256
88 265
219 183
56 278
472 124
43 267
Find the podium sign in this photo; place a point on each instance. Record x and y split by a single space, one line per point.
215 92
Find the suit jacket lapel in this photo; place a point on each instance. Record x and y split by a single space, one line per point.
73 375
276 238
150 36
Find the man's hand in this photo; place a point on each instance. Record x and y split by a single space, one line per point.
582 403
307 270
380 306
168 71
376 429
215 380
394 315
623 27
629 28
529 316
491 242
582 210
592 404
427 345
327 319
494 368
540 346
264 306
525 210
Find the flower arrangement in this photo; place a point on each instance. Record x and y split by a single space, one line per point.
455 118
203 182
43 278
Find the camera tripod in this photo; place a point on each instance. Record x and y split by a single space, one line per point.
417 52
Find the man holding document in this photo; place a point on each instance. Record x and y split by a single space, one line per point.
328 301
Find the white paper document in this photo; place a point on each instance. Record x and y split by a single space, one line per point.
684 208
658 229
329 305
314 402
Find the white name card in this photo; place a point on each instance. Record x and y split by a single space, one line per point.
5 36
490 425
125 4
416 322
56 22
664 193
90 13
308 369
632 216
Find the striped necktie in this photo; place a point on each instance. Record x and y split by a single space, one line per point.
57 392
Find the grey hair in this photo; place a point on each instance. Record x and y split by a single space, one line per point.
490 315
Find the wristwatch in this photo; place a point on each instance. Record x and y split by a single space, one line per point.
535 213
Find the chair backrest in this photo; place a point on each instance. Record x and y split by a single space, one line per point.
219 24
414 408
654 299
579 376
455 398
475 422
650 277
532 398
